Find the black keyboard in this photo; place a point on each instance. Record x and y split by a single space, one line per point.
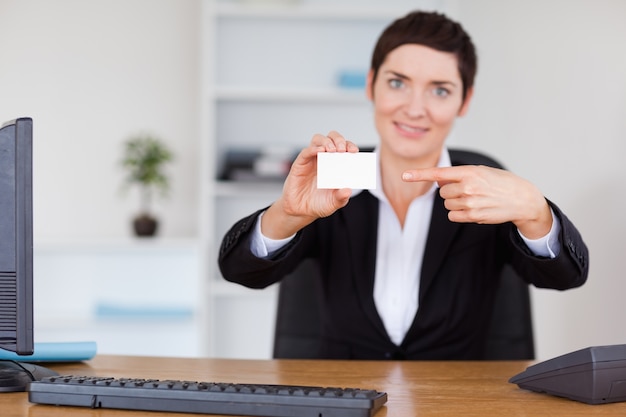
206 397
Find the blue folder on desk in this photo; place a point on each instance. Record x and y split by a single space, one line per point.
55 352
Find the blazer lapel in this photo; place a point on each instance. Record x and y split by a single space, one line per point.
440 237
361 217
363 210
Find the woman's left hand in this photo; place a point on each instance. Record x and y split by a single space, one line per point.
480 194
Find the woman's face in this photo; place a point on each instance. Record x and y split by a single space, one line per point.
417 95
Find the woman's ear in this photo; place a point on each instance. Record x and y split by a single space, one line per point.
369 85
468 98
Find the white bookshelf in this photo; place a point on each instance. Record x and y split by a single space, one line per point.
270 78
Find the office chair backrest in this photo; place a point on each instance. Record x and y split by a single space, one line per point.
298 319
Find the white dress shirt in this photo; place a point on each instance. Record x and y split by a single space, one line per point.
399 254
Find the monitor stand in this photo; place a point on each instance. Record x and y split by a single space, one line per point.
15 376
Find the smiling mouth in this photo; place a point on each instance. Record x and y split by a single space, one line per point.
411 129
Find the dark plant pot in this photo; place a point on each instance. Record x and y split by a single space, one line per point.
145 225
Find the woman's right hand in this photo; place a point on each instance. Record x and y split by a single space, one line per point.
302 202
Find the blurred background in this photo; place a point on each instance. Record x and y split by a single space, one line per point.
213 76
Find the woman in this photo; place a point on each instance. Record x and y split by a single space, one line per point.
409 270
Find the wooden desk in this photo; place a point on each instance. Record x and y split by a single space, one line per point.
415 388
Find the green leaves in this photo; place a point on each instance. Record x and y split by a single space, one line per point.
145 157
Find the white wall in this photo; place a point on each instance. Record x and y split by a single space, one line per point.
550 104
91 73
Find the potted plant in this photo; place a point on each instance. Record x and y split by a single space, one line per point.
145 157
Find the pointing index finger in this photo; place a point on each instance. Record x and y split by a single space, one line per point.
440 175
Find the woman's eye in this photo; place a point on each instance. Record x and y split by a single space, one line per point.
441 92
396 83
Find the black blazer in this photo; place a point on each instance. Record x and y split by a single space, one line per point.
461 266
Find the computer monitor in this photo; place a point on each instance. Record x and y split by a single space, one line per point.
16 252
16 245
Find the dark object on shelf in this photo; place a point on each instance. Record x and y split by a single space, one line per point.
595 375
145 225
256 164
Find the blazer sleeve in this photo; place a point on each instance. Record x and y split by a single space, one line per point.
568 270
238 264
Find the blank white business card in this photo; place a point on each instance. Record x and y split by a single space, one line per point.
346 170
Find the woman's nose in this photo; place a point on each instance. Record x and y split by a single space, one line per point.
415 105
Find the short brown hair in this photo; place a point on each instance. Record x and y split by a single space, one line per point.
435 31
